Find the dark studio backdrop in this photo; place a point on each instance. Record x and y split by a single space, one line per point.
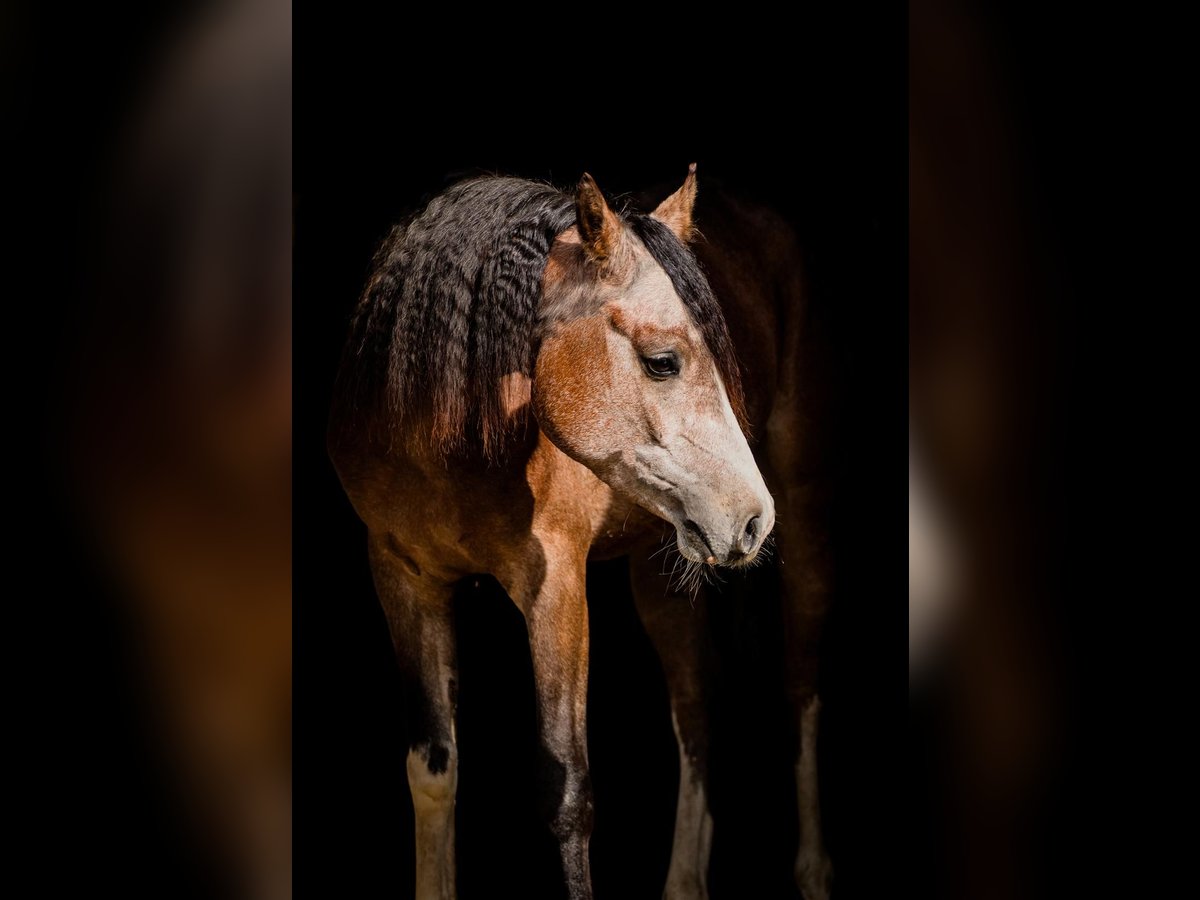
816 128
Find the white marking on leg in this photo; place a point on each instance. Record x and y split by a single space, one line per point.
687 878
813 872
433 808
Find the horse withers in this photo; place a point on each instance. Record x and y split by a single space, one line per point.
533 380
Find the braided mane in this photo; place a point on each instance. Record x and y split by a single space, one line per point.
451 307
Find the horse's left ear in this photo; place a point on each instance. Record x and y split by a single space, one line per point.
676 211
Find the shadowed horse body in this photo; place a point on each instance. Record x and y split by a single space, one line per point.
533 380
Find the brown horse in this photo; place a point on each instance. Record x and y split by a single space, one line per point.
532 381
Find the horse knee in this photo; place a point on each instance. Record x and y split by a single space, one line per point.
573 818
433 774
566 792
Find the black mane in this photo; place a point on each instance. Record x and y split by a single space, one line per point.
451 307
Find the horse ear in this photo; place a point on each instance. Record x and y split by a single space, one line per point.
676 211
599 228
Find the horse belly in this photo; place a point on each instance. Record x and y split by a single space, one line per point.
437 524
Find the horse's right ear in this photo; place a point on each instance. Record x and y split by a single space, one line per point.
599 228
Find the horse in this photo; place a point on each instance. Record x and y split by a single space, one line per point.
533 380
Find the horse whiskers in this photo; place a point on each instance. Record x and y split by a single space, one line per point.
684 583
671 576
693 575
690 581
765 553
665 547
675 568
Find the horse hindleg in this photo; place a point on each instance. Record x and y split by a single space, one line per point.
419 618
554 603
804 572
678 630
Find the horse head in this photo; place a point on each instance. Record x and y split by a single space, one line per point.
635 376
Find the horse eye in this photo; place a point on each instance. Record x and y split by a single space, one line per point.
660 367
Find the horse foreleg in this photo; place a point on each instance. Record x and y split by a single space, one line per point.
551 594
677 628
804 572
419 617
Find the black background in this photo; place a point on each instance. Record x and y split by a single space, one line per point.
816 127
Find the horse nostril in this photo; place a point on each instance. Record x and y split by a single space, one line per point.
750 534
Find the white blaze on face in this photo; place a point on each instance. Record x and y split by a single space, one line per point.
724 489
742 458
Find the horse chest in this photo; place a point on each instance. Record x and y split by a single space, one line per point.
626 527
